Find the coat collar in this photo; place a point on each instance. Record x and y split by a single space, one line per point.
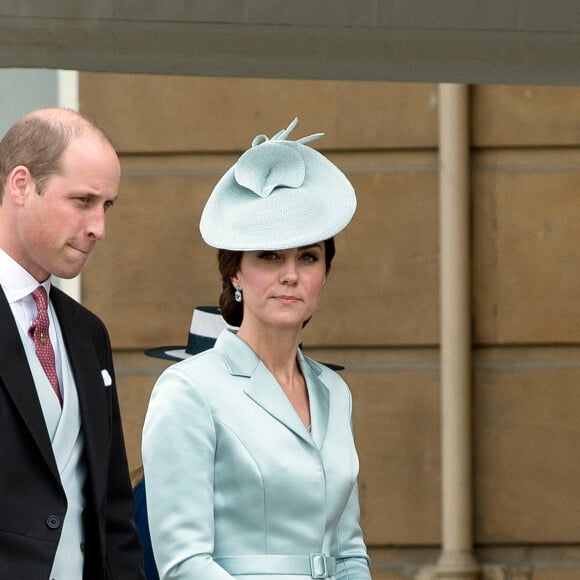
265 391
19 382
87 371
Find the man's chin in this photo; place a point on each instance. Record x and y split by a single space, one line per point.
69 271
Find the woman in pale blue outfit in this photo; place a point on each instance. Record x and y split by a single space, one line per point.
248 449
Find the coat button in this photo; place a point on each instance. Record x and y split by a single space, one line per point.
53 522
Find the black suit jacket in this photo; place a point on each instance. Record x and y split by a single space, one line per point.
32 500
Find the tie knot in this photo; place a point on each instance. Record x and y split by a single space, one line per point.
40 298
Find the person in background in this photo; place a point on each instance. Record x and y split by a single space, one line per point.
206 324
248 448
66 506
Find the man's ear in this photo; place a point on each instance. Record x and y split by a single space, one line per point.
19 182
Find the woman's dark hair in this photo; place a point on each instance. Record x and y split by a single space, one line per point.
229 264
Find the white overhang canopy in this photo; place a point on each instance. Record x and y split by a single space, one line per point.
457 41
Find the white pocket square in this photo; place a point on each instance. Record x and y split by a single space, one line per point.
107 378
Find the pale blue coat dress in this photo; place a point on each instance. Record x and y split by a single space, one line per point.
237 487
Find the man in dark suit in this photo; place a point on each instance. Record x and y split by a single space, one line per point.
66 504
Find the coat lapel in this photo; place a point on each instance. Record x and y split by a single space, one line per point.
319 397
17 378
265 391
88 379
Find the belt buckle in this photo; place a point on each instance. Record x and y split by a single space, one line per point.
318 567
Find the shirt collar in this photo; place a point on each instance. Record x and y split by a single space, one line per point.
15 280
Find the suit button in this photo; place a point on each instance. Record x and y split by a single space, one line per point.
53 522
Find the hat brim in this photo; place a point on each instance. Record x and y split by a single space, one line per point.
174 353
332 366
236 218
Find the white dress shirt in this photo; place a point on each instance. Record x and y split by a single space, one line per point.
18 286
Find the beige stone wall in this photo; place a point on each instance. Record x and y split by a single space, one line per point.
379 315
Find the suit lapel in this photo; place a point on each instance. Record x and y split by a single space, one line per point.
88 380
17 378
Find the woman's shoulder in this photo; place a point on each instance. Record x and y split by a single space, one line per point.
208 361
197 371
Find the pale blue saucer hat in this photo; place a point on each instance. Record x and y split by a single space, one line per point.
280 194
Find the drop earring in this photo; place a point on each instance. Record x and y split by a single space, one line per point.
237 294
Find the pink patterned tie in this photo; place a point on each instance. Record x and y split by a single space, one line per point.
39 332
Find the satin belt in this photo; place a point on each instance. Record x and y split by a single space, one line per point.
315 565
